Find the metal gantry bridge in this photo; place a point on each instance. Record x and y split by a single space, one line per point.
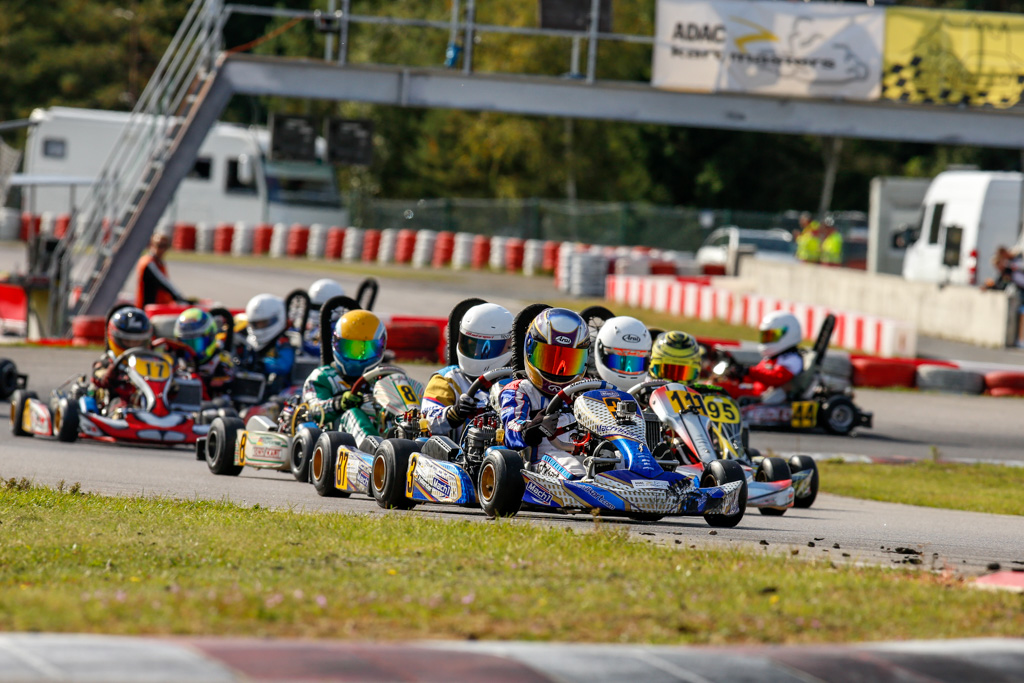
196 79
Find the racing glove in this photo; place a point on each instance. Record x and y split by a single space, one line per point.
465 407
347 400
540 428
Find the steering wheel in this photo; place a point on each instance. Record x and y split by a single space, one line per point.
486 380
569 394
643 390
179 350
361 385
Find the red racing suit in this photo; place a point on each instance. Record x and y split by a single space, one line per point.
776 371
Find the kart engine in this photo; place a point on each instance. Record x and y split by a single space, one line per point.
481 434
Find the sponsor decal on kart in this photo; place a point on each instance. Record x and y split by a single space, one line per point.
650 484
36 419
541 495
758 497
593 492
265 447
86 426
767 415
341 470
440 487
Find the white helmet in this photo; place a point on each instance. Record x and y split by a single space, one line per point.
322 290
266 320
485 339
780 330
623 352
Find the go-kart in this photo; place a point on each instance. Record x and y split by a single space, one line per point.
342 459
622 475
812 399
412 469
163 410
10 379
700 425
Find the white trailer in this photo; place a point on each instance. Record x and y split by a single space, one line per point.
232 179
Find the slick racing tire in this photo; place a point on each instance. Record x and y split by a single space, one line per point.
19 402
721 472
772 469
65 419
300 452
949 380
390 470
500 485
839 416
8 378
799 463
220 446
323 463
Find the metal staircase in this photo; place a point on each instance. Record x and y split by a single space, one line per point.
121 211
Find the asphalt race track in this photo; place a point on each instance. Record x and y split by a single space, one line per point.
906 425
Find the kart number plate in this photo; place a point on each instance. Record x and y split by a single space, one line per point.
408 395
805 415
721 409
152 369
684 401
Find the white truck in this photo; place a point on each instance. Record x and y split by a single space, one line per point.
232 179
965 216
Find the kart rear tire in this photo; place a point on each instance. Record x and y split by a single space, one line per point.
323 463
65 419
721 472
500 486
799 463
389 473
8 378
769 470
301 450
19 402
839 416
220 446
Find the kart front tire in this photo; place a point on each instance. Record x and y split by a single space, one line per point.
65 420
220 446
323 463
772 469
300 452
839 416
390 469
500 485
799 463
721 472
19 403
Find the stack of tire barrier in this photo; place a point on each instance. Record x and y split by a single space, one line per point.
371 244
533 257
496 259
386 248
242 240
353 247
955 377
423 249
587 273
444 249
317 244
335 244
223 238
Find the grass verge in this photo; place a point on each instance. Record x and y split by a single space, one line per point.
975 487
77 562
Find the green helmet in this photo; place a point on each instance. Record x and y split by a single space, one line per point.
676 356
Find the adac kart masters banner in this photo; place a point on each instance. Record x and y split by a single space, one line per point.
772 48
970 58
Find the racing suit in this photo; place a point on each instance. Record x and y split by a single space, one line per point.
322 392
275 361
770 373
521 406
114 386
442 392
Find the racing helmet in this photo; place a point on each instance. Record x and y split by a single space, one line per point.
196 329
358 340
676 357
780 330
555 349
485 339
266 320
128 328
322 290
623 352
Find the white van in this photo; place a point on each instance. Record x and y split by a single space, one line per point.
964 217
232 179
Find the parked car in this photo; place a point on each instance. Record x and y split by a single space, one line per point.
775 244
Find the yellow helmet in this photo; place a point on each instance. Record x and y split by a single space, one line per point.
359 339
676 357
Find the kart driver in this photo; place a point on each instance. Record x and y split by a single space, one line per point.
197 330
485 344
358 340
319 293
128 328
555 353
623 352
780 361
268 346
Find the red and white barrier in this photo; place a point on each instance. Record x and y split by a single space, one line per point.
695 298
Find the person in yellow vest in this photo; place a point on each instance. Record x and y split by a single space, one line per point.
808 240
831 245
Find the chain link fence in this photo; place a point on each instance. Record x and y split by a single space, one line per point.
608 223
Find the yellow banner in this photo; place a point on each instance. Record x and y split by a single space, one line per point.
961 58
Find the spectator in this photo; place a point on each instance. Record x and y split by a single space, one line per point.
831 245
808 239
1010 268
154 286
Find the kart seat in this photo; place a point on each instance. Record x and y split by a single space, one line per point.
260 423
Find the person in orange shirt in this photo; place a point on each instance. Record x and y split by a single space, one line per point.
154 285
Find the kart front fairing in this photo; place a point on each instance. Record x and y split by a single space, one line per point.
638 484
139 426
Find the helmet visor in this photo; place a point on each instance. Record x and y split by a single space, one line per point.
675 373
199 344
483 349
557 361
626 361
263 324
772 335
358 349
